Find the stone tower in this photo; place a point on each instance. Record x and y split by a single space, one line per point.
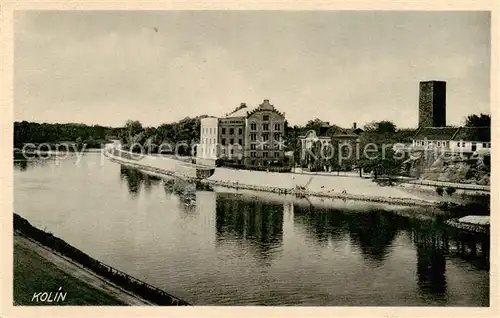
432 104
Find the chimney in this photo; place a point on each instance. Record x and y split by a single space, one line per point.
243 105
354 125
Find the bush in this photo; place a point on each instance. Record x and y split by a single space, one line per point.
439 190
450 190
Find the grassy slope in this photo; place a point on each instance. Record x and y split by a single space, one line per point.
33 274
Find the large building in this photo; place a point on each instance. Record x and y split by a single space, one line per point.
231 136
207 150
249 137
265 128
432 104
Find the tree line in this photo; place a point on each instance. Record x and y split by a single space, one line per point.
37 133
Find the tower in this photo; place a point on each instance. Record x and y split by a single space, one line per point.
432 104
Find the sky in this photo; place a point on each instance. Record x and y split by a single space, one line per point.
105 67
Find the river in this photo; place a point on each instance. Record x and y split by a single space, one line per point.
226 248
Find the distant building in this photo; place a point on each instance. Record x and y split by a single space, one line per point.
207 150
326 134
432 104
433 133
461 139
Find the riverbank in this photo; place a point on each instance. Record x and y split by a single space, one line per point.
345 188
141 291
37 270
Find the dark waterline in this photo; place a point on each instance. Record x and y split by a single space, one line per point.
228 249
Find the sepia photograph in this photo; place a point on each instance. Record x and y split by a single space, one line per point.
334 158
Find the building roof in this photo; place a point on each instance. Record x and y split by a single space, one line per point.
339 132
244 111
240 111
335 132
265 106
454 133
473 134
436 133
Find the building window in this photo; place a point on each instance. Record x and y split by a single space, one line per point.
265 127
252 147
265 137
484 145
240 131
277 126
266 146
223 131
458 144
439 143
277 137
253 126
223 141
253 154
232 151
276 154
265 117
231 141
264 154
253 137
231 131
463 144
240 142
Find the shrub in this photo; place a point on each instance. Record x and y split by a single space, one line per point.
439 190
450 190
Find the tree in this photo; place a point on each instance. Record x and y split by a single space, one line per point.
133 127
483 120
383 126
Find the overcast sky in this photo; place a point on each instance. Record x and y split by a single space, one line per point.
106 67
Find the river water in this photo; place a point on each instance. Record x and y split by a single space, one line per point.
234 249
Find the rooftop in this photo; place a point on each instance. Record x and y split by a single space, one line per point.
453 133
240 111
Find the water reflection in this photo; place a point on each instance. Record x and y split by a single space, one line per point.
255 224
24 165
431 272
133 178
321 224
21 165
373 231
250 249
